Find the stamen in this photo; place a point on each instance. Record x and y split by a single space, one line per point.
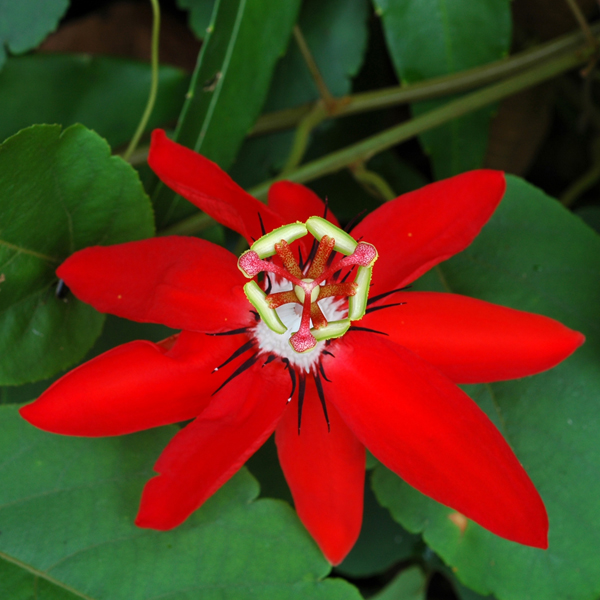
243 367
287 257
280 298
338 289
313 281
319 262
237 353
322 399
317 316
301 390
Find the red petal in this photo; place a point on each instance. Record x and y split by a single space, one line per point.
134 387
209 451
422 228
472 341
185 283
206 185
295 202
325 472
434 436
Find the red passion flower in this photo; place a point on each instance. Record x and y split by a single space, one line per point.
309 334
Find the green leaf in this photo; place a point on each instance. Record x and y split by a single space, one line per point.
106 94
26 23
431 38
200 15
115 331
59 192
336 33
67 519
381 543
532 255
229 85
409 584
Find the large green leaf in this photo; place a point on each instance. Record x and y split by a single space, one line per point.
229 85
336 33
409 584
106 94
200 14
59 192
533 255
24 24
381 543
115 331
430 38
67 507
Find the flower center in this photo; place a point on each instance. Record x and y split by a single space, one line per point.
311 285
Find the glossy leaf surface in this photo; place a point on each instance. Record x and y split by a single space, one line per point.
103 93
71 505
59 192
26 23
533 255
336 34
200 14
429 39
409 584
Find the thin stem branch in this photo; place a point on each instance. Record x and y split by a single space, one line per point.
194 224
367 148
302 136
586 181
324 92
374 183
582 21
432 88
153 83
568 58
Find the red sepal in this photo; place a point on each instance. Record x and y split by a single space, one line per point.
134 387
418 230
472 341
206 185
429 432
325 472
181 282
209 451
